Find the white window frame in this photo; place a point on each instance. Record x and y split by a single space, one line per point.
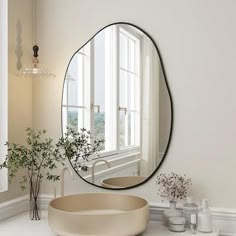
135 36
3 90
112 87
85 106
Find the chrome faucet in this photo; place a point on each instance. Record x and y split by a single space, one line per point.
62 177
93 166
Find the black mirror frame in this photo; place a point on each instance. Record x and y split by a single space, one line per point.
171 106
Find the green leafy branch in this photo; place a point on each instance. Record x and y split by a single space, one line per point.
79 147
36 156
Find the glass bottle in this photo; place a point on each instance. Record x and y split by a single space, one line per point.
189 208
171 212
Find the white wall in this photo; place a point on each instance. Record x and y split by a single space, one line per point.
3 89
197 41
19 90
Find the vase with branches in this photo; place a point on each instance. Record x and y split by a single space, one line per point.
172 187
38 157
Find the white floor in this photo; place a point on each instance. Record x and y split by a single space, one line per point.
21 225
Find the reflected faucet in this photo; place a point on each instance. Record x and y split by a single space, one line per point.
93 166
63 176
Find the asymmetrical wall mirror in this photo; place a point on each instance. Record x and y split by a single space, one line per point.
115 86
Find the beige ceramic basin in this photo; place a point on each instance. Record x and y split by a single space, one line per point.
122 182
98 214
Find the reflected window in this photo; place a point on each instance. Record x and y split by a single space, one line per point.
102 89
76 90
129 88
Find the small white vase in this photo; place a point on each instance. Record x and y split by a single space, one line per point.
171 212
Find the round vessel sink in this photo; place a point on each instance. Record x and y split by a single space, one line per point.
122 182
98 214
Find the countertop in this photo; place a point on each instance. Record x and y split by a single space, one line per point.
155 229
23 226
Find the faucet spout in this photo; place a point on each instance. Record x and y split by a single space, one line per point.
94 164
62 177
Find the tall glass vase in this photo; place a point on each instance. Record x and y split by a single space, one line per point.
171 212
34 200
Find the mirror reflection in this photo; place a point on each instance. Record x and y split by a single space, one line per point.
115 87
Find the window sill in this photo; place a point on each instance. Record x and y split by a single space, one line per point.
115 157
126 161
132 149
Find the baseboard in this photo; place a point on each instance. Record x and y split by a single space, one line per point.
20 205
223 219
13 207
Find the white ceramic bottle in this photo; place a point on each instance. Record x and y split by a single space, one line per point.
189 208
205 218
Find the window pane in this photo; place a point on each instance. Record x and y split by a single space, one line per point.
99 126
123 89
123 51
75 81
131 128
122 125
132 93
80 79
127 129
131 56
74 117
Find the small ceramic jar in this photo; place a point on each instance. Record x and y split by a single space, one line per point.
171 212
177 224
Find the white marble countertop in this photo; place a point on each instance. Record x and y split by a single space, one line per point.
21 225
155 229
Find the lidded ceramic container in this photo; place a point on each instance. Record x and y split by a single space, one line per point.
177 224
171 212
